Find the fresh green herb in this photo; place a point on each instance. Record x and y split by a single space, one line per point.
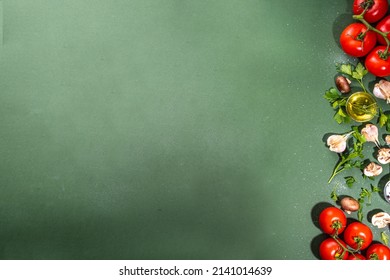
360 211
356 73
350 180
383 118
338 103
333 196
365 198
365 194
385 238
351 158
375 189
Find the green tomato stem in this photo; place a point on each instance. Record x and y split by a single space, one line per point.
370 27
346 249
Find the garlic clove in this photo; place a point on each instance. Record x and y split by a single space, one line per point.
372 169
382 90
370 132
338 143
378 93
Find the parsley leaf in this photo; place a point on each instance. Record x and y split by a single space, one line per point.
385 238
338 103
356 73
383 118
344 68
360 72
350 180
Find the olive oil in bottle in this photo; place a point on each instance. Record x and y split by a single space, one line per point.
361 106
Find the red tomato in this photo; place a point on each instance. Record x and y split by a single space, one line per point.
358 236
331 250
356 257
384 26
378 252
374 12
354 43
377 65
332 220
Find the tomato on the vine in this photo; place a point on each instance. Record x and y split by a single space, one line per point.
383 26
331 250
356 40
377 63
378 251
358 236
376 9
356 257
332 220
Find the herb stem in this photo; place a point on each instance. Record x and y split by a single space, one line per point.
337 170
361 84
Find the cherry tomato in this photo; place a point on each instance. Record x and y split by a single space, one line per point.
384 26
331 250
374 13
332 220
378 251
356 41
356 257
358 236
377 65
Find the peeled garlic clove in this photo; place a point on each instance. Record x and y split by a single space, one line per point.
384 155
337 143
370 132
382 90
372 169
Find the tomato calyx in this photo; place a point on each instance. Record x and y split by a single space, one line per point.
359 242
361 35
374 256
384 55
336 225
366 5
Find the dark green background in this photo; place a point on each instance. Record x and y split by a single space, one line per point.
166 129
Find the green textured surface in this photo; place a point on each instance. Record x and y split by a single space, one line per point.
163 129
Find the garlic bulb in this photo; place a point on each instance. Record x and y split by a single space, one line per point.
370 132
338 143
384 155
382 90
372 169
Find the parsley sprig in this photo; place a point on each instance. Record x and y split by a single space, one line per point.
357 73
338 103
351 157
365 198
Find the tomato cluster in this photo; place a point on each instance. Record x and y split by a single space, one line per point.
369 37
348 241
